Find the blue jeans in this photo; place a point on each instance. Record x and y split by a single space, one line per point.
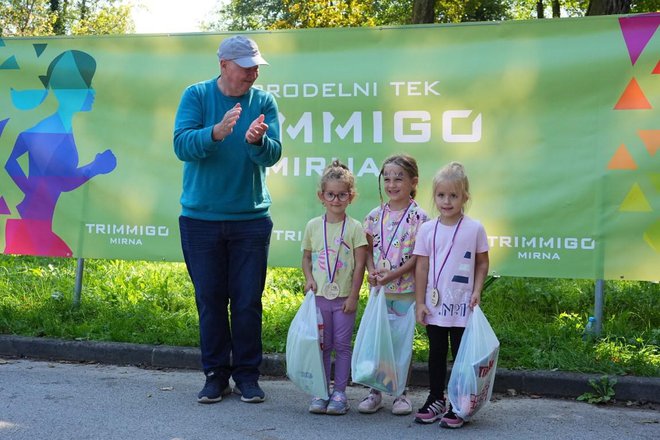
227 262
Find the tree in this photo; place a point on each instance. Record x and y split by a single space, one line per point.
322 13
608 7
101 17
645 6
65 17
453 11
243 15
526 9
58 26
25 18
393 12
240 15
423 11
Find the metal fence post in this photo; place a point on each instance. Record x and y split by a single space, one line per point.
80 266
598 306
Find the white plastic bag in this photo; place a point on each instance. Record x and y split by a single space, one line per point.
304 361
373 363
473 374
402 329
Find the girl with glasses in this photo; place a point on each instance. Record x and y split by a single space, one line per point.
334 254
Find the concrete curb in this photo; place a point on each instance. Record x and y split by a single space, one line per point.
543 383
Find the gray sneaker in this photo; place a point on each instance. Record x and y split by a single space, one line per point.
338 404
318 406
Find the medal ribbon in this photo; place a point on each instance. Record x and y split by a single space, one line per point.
382 233
331 276
435 231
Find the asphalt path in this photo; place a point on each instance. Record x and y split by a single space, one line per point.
54 400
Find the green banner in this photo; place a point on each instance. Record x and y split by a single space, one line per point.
556 122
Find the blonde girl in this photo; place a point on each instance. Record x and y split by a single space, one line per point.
334 254
452 264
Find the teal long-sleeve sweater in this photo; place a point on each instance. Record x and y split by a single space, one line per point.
224 180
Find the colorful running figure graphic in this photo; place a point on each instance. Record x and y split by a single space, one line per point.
52 158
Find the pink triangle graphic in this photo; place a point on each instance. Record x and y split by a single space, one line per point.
637 31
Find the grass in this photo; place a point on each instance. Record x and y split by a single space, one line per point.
538 321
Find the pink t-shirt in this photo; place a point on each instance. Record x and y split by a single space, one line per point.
398 242
456 281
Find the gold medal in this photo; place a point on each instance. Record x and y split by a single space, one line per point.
384 264
435 297
330 291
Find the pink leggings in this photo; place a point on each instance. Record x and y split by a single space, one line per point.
337 334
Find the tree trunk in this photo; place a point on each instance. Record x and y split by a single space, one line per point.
608 7
58 26
539 9
556 9
423 11
84 10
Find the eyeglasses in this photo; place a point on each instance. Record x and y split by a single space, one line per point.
330 196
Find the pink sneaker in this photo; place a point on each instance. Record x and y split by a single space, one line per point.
401 406
431 411
372 403
451 420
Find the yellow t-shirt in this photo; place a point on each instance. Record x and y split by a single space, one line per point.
340 252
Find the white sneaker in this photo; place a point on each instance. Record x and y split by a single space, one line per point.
372 403
401 406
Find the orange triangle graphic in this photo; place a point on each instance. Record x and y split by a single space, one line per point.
651 139
622 160
656 71
635 201
633 98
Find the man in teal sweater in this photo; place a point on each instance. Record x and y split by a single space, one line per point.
226 133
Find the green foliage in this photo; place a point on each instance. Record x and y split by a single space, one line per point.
324 14
645 6
603 390
527 9
239 15
392 12
243 15
538 321
21 18
112 19
451 11
26 18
